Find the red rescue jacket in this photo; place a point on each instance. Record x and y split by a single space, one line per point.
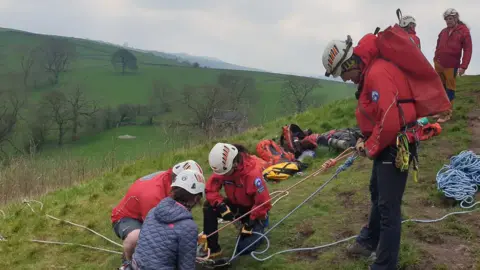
450 46
414 36
245 187
144 194
377 113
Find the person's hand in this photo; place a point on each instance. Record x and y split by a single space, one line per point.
461 71
360 147
247 228
225 212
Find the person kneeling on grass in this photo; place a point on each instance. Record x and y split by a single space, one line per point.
168 239
241 176
144 194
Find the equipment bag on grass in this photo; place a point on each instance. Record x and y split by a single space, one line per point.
283 171
291 137
272 153
429 96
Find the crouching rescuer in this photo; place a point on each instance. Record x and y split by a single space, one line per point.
241 176
144 194
386 115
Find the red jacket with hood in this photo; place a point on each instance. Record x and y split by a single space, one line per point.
245 187
450 46
382 84
144 194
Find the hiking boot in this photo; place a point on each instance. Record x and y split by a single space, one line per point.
356 249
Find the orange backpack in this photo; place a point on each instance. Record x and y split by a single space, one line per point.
272 153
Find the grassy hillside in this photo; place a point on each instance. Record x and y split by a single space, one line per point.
93 71
337 212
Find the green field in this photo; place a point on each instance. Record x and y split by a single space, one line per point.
93 71
338 211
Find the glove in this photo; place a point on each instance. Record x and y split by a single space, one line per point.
225 212
247 228
360 147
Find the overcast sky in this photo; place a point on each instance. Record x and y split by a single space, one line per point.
276 35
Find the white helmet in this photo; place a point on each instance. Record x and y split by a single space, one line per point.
335 54
405 21
186 165
190 180
450 12
221 158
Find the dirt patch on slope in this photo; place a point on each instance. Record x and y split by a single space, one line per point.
453 253
448 248
474 124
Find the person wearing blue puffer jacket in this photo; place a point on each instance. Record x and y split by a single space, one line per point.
168 239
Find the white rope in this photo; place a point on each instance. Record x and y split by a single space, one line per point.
254 253
27 202
81 226
74 244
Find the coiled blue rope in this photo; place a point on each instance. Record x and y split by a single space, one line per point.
460 179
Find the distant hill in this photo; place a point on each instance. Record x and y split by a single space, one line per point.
204 61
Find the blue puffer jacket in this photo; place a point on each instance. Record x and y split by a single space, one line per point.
168 238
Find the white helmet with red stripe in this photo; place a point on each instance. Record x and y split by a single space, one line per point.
186 165
190 180
221 158
335 54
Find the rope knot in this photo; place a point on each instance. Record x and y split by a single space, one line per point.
329 163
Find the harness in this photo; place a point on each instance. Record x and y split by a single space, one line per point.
402 159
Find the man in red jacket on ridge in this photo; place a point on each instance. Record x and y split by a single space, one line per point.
451 41
143 195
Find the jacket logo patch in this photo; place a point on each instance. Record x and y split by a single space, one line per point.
375 96
259 185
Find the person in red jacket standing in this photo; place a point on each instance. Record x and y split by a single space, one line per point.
144 194
451 41
381 84
240 174
408 23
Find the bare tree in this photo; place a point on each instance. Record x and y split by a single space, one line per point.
240 89
30 58
80 107
159 101
298 90
124 59
11 102
58 55
128 114
38 127
56 107
203 102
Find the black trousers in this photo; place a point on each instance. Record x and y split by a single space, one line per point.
383 231
210 224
